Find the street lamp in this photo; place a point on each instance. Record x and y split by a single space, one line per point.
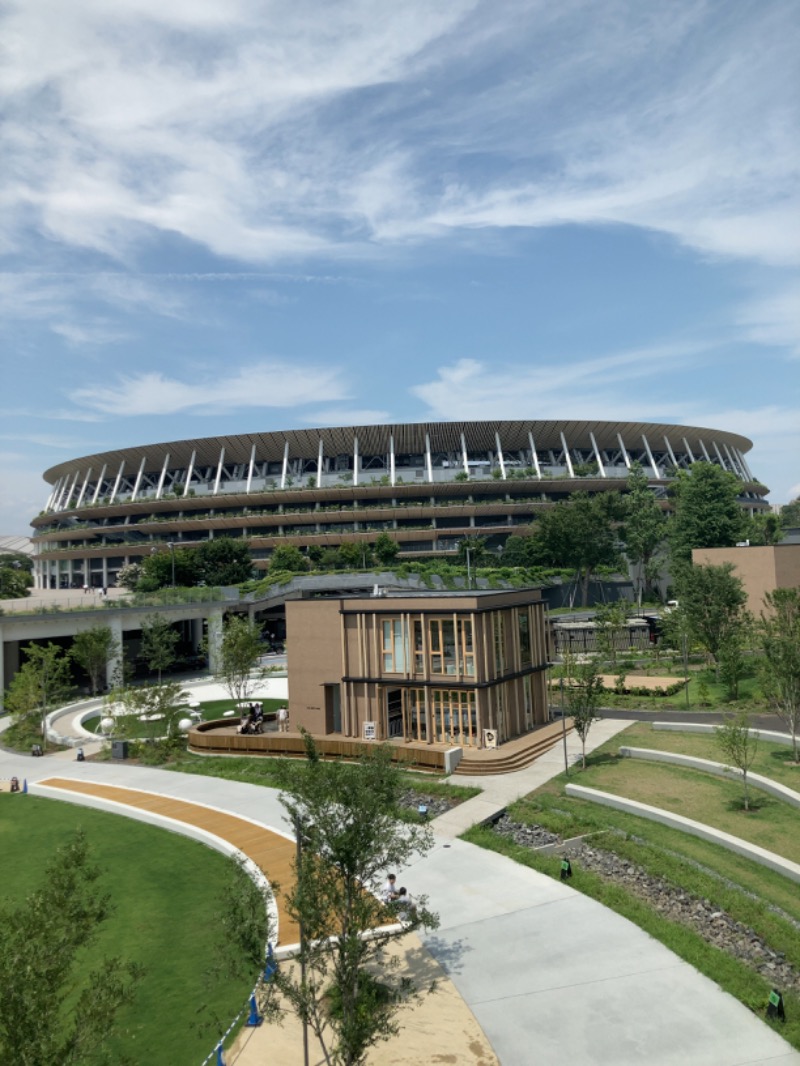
171 547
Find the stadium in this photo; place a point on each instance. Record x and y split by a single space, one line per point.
426 485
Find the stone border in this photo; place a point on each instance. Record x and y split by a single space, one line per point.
784 867
702 727
763 784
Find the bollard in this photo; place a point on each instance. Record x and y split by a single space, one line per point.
270 966
775 1007
25 785
255 1018
566 869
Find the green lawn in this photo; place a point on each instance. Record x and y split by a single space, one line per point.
753 895
261 770
166 890
135 729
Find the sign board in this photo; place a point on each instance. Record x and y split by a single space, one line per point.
369 731
490 738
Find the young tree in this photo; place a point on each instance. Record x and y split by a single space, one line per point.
41 683
385 549
739 744
44 1018
778 639
519 551
239 654
346 817
611 622
92 649
224 561
713 600
707 512
584 696
159 643
644 528
580 534
164 703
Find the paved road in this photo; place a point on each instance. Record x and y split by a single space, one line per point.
550 975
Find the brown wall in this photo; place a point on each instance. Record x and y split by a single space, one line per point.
761 569
314 656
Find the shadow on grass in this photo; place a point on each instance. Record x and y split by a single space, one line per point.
756 805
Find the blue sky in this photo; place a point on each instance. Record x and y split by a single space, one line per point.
235 215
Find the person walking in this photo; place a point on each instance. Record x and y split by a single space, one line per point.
283 719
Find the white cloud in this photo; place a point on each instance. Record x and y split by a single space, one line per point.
774 319
288 130
265 384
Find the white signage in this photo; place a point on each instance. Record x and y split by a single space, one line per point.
369 730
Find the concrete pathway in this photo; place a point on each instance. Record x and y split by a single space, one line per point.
550 975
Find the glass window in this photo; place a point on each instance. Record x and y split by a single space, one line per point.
394 646
524 638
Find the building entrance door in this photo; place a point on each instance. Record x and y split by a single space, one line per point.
394 712
333 709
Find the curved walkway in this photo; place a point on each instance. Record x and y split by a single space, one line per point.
270 851
549 974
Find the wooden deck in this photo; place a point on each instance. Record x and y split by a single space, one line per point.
273 854
515 754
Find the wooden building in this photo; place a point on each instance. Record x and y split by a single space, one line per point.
460 668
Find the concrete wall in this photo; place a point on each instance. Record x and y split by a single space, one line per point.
761 569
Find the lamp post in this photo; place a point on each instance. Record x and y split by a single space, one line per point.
563 724
171 547
468 553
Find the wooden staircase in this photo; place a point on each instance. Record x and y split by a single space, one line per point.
515 754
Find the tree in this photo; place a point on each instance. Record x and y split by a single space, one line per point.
778 639
579 534
765 529
713 600
159 643
739 744
790 514
644 528
346 817
158 568
584 696
239 654
707 512
224 561
130 575
354 556
92 649
519 551
385 549
288 557
45 1020
41 683
15 581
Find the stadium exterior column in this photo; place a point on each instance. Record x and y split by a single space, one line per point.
597 456
138 482
114 664
214 639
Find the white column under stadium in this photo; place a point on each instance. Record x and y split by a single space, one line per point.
600 466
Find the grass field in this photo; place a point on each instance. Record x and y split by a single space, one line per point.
166 890
129 725
758 898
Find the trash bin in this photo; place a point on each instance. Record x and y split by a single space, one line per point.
119 749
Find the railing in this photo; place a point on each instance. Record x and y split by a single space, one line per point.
207 738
